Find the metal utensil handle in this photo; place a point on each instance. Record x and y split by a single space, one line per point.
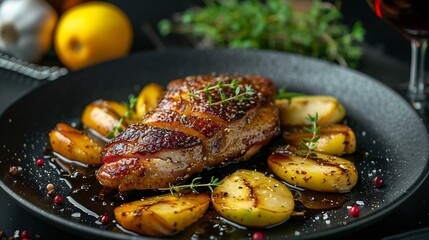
32 70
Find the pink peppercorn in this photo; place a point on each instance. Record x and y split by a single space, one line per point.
40 162
257 236
354 211
378 182
24 234
104 219
58 199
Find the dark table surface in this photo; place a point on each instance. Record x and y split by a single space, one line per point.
390 69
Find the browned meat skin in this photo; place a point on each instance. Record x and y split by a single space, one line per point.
149 140
186 134
193 125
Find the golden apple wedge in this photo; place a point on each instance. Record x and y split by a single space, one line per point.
335 139
323 172
74 144
251 199
295 111
102 116
148 99
162 215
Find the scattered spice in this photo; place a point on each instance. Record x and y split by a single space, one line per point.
24 234
16 236
40 162
378 182
104 219
257 236
58 199
50 186
354 211
51 189
13 170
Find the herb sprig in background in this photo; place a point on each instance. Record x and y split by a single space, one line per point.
272 24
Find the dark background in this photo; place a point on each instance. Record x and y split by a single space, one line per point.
386 58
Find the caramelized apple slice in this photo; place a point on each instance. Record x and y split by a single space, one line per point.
323 172
295 112
148 99
335 139
251 199
102 116
74 144
162 215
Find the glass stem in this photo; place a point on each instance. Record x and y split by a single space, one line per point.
416 87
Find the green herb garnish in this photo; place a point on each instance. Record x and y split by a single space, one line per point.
308 145
132 100
240 93
283 94
214 182
272 24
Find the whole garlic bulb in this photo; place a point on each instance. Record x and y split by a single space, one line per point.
26 28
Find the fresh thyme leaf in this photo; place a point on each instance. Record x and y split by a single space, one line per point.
315 139
302 153
234 84
207 88
304 146
237 91
249 90
222 96
132 100
111 134
307 129
273 24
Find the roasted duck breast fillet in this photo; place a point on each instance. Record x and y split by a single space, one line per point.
201 122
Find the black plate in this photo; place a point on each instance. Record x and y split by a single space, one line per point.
386 127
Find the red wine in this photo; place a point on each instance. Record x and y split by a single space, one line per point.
410 17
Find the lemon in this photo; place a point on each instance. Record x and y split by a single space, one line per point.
91 33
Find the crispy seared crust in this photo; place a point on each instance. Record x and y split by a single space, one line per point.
186 134
191 124
141 139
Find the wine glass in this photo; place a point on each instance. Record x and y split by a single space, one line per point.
411 18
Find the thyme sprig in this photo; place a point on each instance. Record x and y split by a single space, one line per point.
240 93
310 144
283 94
132 100
214 182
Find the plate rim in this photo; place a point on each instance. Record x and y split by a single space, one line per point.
69 226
